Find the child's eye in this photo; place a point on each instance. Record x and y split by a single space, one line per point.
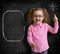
37 16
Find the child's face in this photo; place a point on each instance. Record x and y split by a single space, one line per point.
38 16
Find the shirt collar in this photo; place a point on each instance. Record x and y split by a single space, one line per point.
40 24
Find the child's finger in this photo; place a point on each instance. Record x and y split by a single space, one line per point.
32 45
54 14
55 17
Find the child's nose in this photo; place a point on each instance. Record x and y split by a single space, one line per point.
37 17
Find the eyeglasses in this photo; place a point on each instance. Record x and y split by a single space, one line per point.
37 16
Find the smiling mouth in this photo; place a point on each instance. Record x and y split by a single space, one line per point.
37 20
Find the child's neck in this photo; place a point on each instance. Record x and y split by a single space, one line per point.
38 22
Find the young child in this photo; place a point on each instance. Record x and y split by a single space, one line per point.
38 29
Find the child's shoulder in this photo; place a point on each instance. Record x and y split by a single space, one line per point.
30 26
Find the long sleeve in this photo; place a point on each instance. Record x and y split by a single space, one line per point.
54 29
29 36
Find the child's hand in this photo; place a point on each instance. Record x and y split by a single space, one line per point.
55 18
32 45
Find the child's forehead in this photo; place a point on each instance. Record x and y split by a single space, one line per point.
38 12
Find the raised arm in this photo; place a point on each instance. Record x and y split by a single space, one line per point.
54 29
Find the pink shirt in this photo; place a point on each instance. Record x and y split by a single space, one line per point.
37 34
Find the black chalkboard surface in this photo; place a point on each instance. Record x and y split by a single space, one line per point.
13 15
13 26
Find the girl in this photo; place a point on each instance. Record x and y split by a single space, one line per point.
37 31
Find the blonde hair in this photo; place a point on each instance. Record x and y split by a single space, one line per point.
30 15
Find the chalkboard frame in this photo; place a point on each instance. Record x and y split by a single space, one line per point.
3 25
